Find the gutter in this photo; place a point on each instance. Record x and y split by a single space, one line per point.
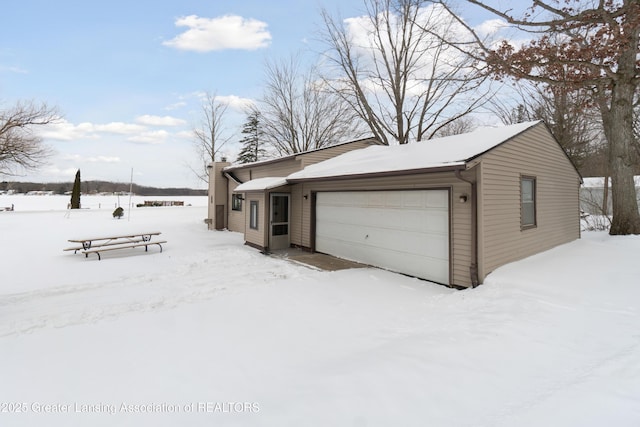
435 169
231 176
473 269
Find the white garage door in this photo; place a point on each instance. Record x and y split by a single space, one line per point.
403 231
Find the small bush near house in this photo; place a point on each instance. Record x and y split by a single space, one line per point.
118 213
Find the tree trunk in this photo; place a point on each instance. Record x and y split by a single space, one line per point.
618 126
605 196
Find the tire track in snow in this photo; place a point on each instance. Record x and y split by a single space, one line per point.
571 379
193 281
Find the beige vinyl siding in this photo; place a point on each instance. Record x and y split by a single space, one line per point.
255 237
283 168
243 175
295 224
236 220
532 154
460 225
280 168
293 163
330 152
217 193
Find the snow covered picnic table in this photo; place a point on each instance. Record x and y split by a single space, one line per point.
126 241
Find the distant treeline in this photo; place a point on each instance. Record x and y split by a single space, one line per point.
95 187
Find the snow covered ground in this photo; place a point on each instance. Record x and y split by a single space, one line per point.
211 332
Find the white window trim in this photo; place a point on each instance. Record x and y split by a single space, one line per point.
533 202
254 214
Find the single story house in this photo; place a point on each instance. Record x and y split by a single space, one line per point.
449 210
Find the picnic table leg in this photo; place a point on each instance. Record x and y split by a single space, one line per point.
97 253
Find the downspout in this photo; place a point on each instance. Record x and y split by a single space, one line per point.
473 269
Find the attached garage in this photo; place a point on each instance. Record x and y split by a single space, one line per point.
405 231
449 210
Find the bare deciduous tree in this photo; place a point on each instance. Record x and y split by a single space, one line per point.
210 136
636 125
462 125
21 148
298 113
402 80
572 120
592 46
569 114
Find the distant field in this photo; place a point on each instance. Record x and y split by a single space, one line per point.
23 202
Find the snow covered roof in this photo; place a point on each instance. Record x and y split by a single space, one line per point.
292 156
260 184
453 150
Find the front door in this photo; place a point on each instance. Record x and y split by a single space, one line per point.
279 224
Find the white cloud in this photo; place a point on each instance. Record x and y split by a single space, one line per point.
119 128
150 120
490 27
235 102
103 159
134 132
185 134
66 131
224 32
176 106
93 159
150 137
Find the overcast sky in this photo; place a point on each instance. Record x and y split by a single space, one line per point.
128 76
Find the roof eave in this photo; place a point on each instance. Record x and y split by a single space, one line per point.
435 169
231 176
295 156
262 190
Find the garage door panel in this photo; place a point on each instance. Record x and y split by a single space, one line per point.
403 241
371 217
413 199
417 265
439 199
427 221
404 231
432 220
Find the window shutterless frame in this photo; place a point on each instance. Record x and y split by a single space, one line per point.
236 202
253 214
528 199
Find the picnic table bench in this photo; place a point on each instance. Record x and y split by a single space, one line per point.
95 245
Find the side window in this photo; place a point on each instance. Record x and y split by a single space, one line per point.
253 214
236 202
528 202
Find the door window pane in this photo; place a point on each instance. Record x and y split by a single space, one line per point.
280 230
280 209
